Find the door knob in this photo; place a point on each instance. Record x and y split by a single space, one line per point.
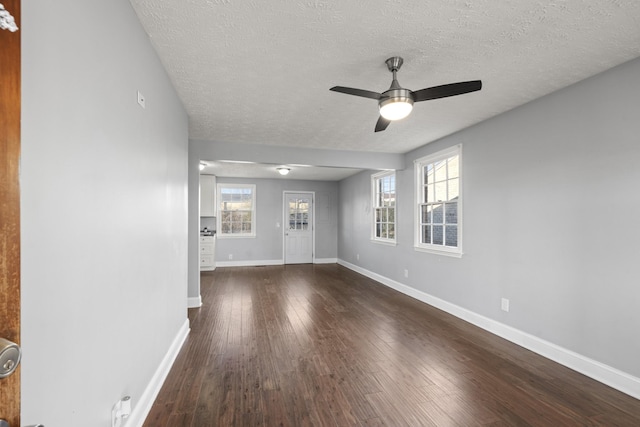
9 359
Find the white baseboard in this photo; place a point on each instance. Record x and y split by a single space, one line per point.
325 260
141 408
612 377
249 263
194 302
269 262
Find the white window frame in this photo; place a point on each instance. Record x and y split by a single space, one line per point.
374 206
419 165
219 201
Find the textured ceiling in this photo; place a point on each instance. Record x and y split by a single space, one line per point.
260 71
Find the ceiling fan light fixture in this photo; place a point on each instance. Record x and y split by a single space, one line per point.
396 105
283 171
395 110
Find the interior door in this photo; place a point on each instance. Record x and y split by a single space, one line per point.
10 207
298 230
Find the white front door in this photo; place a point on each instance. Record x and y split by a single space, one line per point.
298 228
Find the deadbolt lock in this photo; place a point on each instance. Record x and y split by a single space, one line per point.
9 358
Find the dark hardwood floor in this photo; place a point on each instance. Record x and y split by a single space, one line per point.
324 346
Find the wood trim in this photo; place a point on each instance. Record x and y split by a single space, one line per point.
10 206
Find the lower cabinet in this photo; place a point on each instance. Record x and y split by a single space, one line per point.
207 253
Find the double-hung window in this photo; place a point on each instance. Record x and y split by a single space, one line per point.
236 210
383 193
439 203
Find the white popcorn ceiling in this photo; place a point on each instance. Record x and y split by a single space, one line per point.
259 72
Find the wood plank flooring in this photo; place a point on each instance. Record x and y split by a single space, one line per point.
320 345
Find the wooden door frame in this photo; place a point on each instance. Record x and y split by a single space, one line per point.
10 106
285 222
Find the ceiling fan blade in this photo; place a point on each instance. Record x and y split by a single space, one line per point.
356 92
382 124
446 90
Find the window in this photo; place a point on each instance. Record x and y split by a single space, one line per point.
383 193
439 202
236 210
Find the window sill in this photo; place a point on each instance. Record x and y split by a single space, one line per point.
435 251
384 242
235 236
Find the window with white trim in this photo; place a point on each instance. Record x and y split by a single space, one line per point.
383 193
439 203
236 210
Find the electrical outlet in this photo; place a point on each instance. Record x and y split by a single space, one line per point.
230 256
120 412
504 304
141 100
406 273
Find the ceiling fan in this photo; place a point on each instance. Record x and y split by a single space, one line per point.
396 102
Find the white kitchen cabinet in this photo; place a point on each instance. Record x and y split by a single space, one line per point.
207 253
207 195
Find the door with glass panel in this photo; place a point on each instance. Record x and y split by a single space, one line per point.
298 228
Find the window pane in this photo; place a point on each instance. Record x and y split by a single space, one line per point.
236 206
437 234
426 234
441 170
451 213
438 214
454 166
430 196
383 201
426 214
452 235
441 191
454 189
392 231
428 174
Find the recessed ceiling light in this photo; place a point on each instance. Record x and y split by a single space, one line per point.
202 166
283 171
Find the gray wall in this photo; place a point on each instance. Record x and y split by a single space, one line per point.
551 220
268 244
104 217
